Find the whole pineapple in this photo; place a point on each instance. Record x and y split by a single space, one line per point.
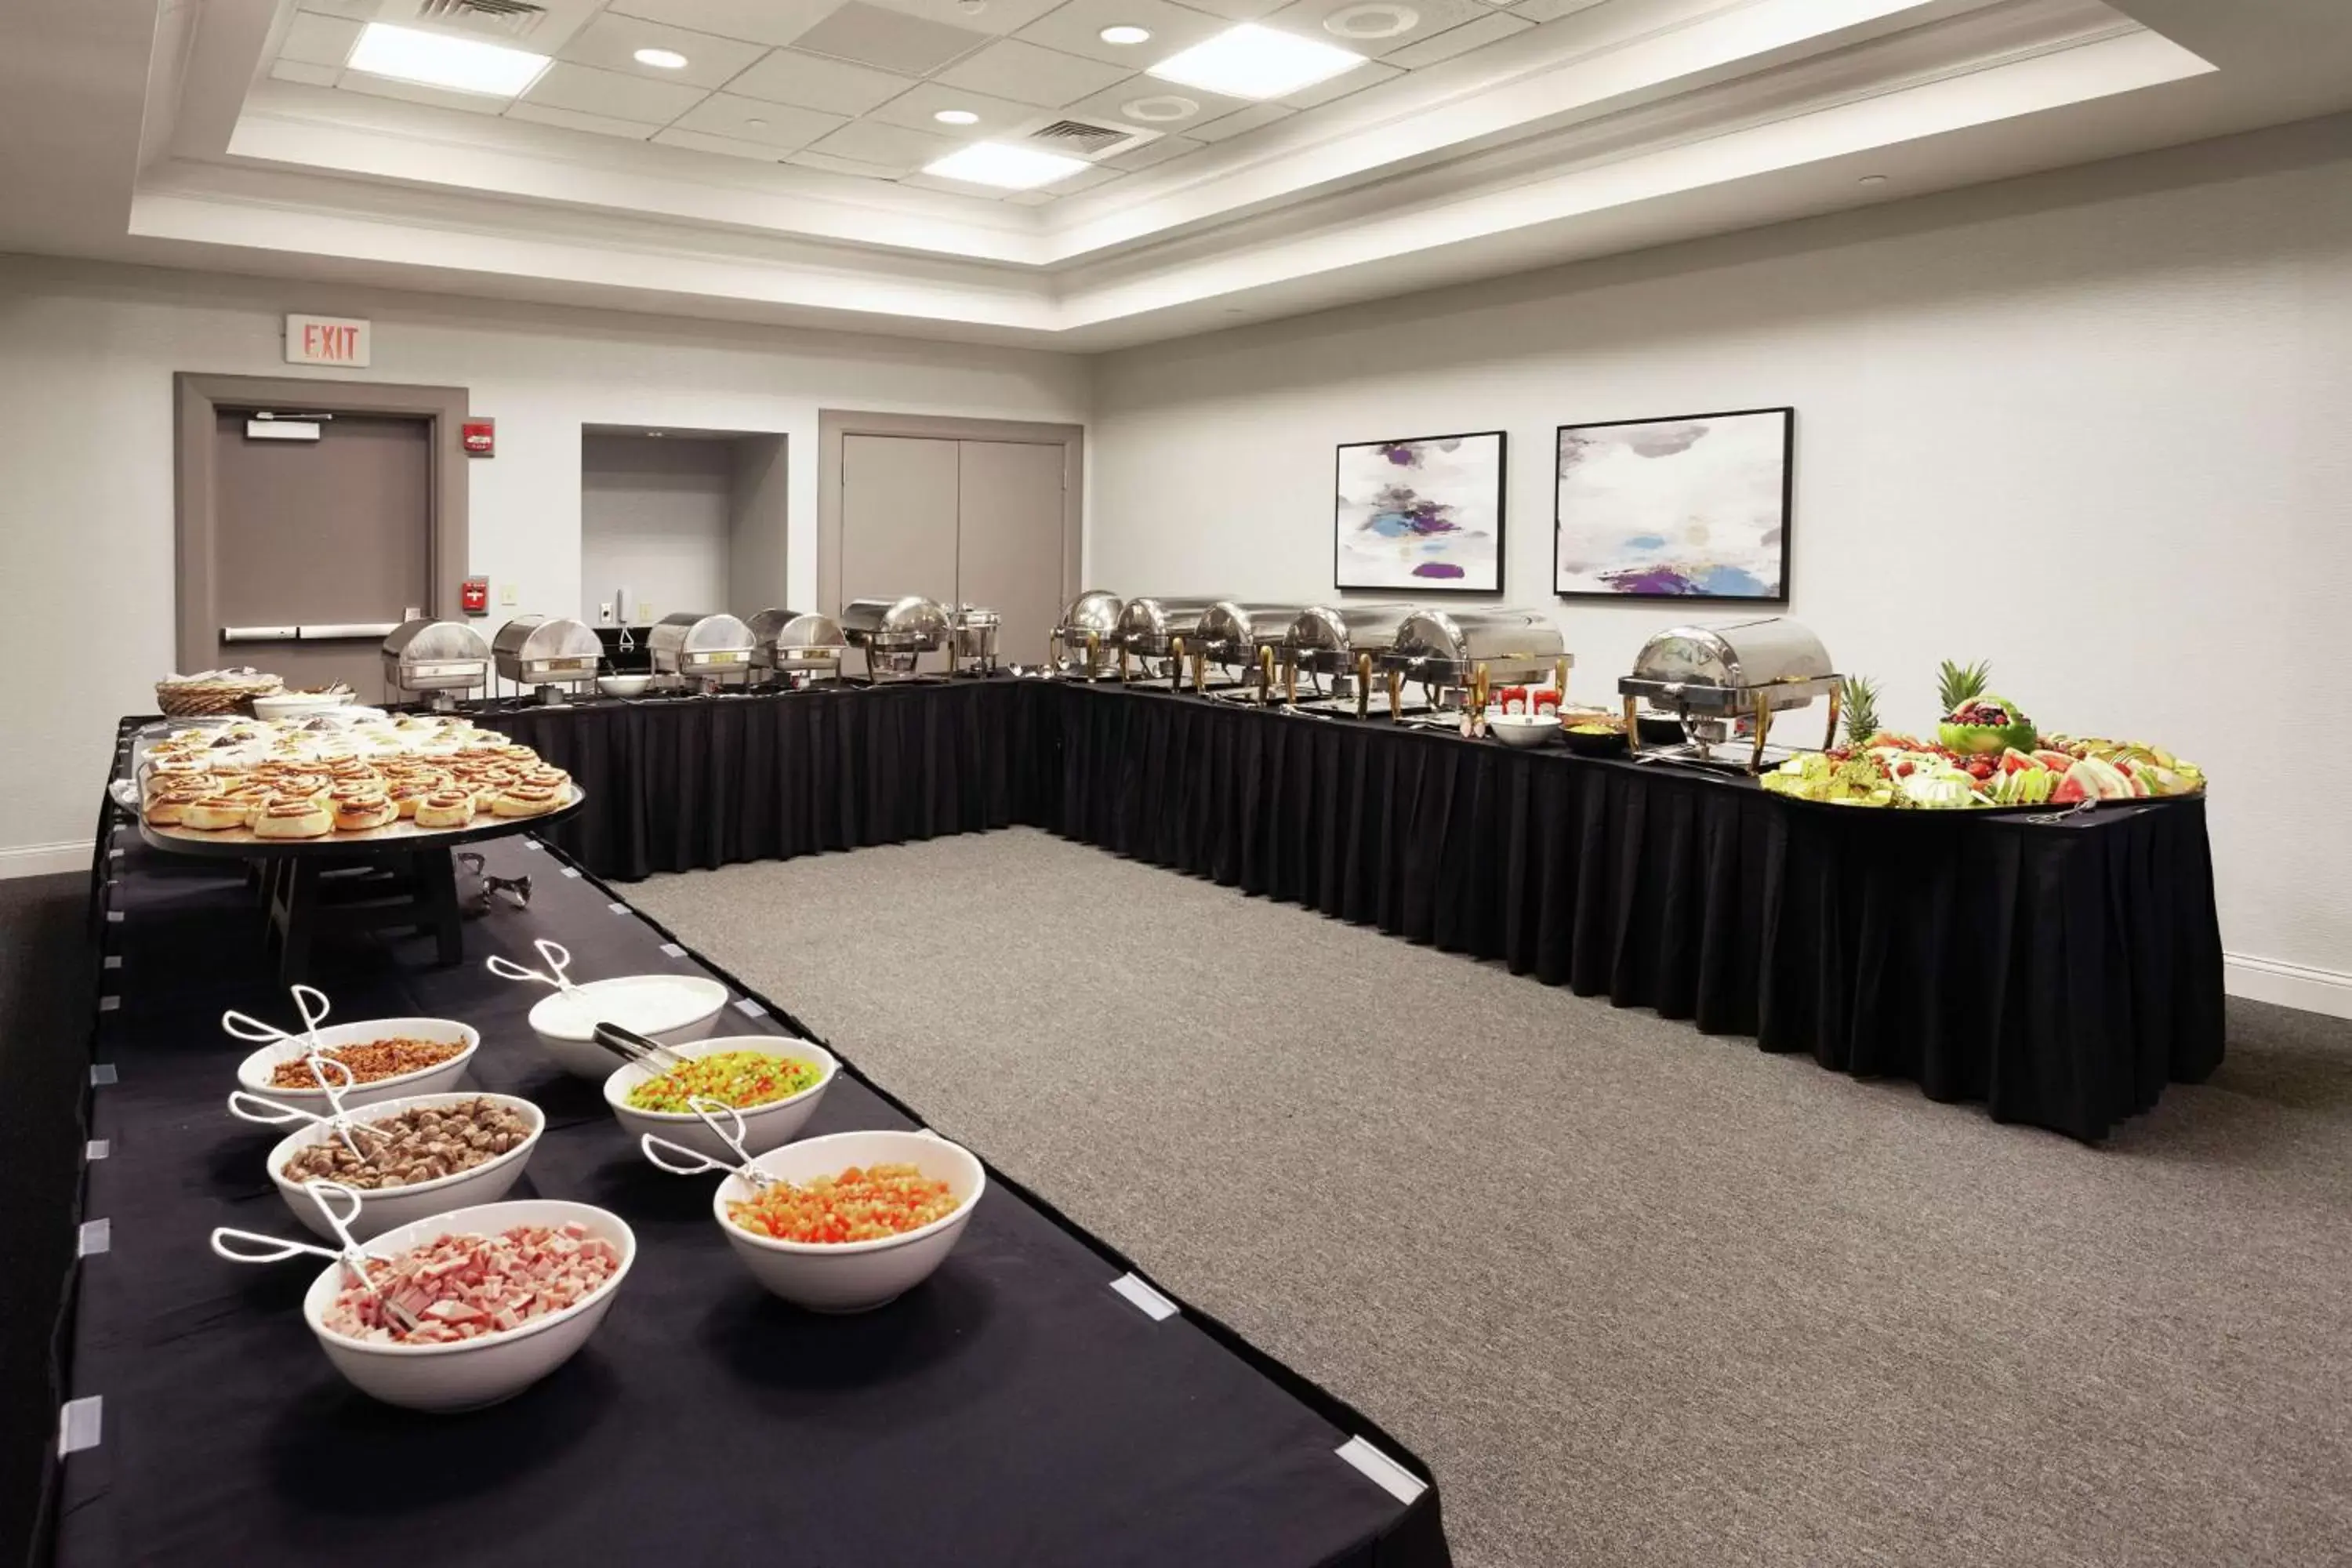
1858 696
1956 683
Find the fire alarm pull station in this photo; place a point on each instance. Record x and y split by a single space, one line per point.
474 597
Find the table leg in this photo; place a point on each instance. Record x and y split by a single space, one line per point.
436 894
296 910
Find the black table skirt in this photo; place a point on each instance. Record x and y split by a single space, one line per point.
1013 1410
2061 972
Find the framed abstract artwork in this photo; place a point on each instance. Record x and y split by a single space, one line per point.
1424 514
1692 508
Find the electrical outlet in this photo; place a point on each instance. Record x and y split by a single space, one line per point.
507 594
604 614
645 612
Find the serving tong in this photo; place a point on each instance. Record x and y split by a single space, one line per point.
623 1042
730 1133
252 1246
333 1079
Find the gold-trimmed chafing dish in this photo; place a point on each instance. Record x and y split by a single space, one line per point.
896 632
1337 646
1155 634
549 654
797 643
436 660
1713 676
1459 657
1245 641
1084 644
702 650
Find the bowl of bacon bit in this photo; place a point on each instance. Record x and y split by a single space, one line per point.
389 1058
852 1220
473 1306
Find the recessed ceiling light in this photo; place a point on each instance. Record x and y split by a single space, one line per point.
756 124
1159 109
439 59
661 59
1125 35
1251 62
1010 168
956 116
1379 19
1873 179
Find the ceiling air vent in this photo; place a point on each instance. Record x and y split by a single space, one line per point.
509 18
1082 140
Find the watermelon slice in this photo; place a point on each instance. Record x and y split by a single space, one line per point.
2100 781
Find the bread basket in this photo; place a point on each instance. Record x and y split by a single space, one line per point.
215 693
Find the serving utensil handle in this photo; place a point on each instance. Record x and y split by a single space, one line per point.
252 1246
253 1107
690 1161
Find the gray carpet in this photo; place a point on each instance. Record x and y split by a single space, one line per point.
1640 1295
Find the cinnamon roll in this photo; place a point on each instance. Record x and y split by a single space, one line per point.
521 799
364 807
293 816
448 807
215 812
406 791
167 805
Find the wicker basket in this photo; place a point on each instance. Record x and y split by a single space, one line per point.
199 699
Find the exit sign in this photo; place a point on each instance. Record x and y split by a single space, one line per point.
326 340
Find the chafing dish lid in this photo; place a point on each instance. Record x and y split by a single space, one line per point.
1154 621
976 616
1348 628
529 640
697 632
1230 624
910 621
1741 656
1092 611
1464 637
427 640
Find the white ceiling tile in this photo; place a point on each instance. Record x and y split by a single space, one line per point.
612 94
1155 151
1030 199
1235 124
303 71
834 165
995 16
1475 34
1373 28
758 152
759 21
1087 179
776 125
963 188
418 92
1011 68
1161 96
354 10
1552 10
893 146
319 40
610 41
572 120
812 81
1075 29
1371 73
1235 10
889 40
914 108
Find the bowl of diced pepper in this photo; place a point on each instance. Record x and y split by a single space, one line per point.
852 1220
773 1082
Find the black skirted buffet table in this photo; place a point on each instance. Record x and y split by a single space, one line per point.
2059 969
1032 1403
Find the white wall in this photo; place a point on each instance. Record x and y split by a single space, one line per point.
86 355
655 519
2091 426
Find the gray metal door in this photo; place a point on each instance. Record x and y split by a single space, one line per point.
321 547
1009 545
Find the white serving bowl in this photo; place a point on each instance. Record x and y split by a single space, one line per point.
671 1008
624 685
764 1126
382 1209
1524 729
852 1276
297 704
470 1373
253 1073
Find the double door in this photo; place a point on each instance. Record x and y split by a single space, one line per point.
963 522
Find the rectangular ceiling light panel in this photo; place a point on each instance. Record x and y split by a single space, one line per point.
441 59
1007 168
1255 62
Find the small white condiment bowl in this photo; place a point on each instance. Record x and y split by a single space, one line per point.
852 1276
624 685
298 704
764 1126
253 1073
383 1208
470 1373
1524 729
671 1008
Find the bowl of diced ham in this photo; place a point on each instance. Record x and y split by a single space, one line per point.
502 1295
851 1220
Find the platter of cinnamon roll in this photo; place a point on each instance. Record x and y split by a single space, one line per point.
366 779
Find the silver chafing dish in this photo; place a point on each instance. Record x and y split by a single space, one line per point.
1156 632
703 650
436 659
896 632
1712 678
975 641
789 642
1244 641
1085 643
1457 657
1337 646
547 654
